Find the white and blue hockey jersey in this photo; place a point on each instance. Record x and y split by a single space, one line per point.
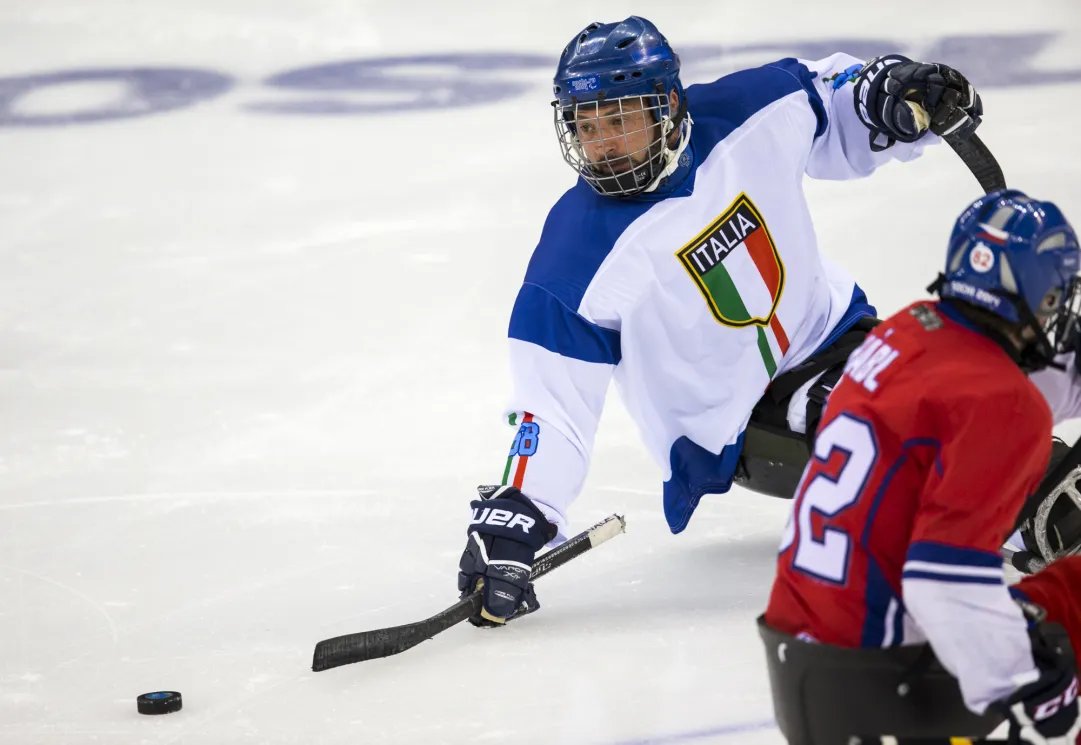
694 296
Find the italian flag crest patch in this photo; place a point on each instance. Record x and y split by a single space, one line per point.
736 266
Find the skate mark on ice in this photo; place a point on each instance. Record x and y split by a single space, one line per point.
704 734
96 605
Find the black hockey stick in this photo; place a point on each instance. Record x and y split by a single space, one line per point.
972 152
980 161
370 645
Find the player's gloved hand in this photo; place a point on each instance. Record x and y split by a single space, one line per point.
505 534
902 100
1045 712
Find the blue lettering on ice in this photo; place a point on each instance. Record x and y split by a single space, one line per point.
442 81
146 90
420 83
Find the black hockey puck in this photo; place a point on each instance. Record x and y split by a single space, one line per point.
159 702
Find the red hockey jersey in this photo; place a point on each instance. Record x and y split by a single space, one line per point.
1055 590
928 447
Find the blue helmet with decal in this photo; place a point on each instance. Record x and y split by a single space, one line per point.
1017 258
620 112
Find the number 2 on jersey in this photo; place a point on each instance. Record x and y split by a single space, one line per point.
845 453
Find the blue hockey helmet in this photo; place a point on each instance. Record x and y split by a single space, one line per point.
614 113
1017 258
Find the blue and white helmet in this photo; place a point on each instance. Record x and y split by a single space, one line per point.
613 115
1017 258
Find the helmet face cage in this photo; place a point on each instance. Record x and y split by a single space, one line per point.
1053 325
1058 314
616 145
1054 314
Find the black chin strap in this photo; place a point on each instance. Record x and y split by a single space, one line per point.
681 113
1039 351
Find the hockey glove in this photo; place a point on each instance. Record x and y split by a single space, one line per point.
1045 712
899 99
505 534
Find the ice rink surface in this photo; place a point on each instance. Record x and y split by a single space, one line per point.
252 360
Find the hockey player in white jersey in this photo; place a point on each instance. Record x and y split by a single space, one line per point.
684 264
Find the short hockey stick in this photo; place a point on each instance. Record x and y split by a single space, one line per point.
370 645
973 153
980 161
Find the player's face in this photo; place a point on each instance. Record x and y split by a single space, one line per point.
619 136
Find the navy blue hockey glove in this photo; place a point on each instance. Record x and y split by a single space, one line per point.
505 534
1045 712
947 103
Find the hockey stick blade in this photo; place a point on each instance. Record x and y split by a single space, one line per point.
977 156
371 645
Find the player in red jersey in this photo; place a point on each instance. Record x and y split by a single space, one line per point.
928 448
1057 589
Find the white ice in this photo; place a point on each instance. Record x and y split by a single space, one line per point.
252 367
